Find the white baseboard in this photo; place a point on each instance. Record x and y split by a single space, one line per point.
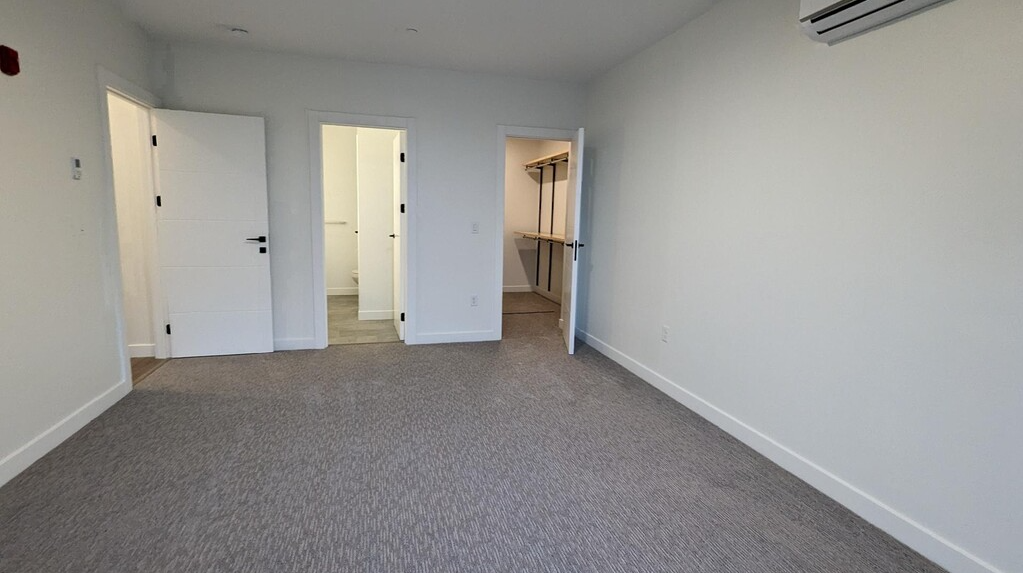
923 540
20 459
281 344
376 315
141 350
448 337
548 295
343 291
518 288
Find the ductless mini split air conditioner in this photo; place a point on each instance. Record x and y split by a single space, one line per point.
833 20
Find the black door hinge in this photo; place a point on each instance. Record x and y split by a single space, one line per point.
159 201
403 317
168 329
403 158
154 141
402 207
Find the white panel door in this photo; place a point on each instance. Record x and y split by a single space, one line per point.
213 232
573 204
400 177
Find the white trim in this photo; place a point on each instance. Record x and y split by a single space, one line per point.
462 336
915 535
20 459
553 297
376 315
295 344
408 245
141 350
503 133
343 291
518 288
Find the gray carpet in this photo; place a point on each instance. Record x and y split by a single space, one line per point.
506 456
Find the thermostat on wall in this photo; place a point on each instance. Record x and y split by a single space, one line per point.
9 61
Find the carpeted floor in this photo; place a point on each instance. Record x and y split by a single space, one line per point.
507 456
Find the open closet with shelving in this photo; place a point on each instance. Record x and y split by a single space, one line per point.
536 183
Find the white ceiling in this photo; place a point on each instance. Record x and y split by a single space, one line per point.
549 39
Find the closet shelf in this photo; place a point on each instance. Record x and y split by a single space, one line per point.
556 239
547 160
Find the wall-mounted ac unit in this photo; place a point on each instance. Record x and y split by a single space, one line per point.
834 20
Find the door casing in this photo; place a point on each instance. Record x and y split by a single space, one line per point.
408 231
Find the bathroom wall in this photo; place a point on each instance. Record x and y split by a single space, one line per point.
136 221
340 209
376 164
520 213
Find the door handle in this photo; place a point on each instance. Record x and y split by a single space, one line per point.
392 235
259 239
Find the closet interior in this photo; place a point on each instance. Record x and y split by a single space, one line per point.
536 183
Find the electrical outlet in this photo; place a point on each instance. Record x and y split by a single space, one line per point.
475 228
474 300
664 333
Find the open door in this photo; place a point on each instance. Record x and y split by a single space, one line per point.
570 278
213 232
400 177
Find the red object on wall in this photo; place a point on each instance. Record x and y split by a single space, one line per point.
9 61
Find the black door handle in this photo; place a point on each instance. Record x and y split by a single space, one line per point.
392 235
259 239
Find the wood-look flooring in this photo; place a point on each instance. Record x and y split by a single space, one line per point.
344 326
142 367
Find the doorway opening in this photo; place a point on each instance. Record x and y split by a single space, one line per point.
539 198
132 178
362 181
535 193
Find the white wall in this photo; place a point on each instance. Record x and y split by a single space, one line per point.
340 203
60 346
521 190
376 222
136 221
520 214
833 235
456 118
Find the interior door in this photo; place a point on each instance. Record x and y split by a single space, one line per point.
213 232
400 176
573 203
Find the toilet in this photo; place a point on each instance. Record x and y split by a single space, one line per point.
355 276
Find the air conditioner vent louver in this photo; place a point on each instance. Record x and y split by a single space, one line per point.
831 21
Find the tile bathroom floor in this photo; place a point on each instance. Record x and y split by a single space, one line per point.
344 326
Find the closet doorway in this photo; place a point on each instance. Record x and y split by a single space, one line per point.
539 248
362 172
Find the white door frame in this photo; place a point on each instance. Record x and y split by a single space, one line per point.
111 82
317 119
503 133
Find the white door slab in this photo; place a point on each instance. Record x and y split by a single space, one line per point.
400 176
211 179
573 207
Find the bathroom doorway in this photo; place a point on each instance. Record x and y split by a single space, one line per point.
362 181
